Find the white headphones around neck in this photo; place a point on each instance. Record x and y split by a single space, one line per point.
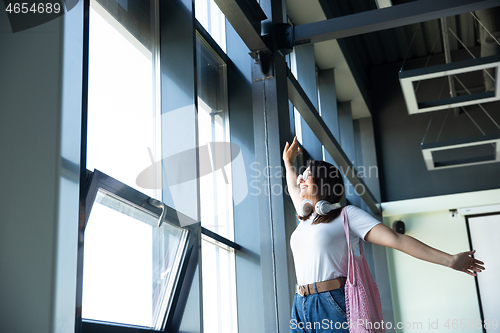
322 207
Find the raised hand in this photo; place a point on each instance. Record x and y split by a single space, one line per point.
291 151
465 263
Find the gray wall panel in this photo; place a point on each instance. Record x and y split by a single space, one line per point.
246 221
348 145
306 76
371 169
40 103
328 100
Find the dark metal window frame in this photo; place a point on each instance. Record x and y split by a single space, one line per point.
212 43
218 50
467 217
97 180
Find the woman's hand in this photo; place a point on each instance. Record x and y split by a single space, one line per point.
465 263
289 155
291 151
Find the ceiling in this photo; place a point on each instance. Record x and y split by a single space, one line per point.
352 57
328 55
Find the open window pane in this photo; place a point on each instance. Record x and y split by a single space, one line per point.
130 264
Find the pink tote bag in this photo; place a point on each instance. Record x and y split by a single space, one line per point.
364 309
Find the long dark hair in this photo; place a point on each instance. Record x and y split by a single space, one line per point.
328 185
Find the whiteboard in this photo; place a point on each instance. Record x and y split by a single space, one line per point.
485 238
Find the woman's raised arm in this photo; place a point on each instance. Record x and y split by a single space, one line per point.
385 236
289 155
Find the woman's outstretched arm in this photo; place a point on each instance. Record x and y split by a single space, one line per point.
385 236
290 153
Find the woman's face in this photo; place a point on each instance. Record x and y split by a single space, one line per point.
307 187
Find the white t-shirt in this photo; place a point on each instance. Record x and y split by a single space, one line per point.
320 250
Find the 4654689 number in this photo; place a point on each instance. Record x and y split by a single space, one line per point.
36 8
462 324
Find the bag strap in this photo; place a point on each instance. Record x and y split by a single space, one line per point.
350 267
346 228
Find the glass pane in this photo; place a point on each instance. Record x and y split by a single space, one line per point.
219 289
130 265
121 138
213 20
296 115
213 127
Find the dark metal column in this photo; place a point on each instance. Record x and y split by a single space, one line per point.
348 145
276 213
328 101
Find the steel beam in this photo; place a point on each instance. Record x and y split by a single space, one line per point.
386 18
311 116
245 17
276 214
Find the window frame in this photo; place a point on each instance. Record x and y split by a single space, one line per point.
218 50
91 181
98 180
210 236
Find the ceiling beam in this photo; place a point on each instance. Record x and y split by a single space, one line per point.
386 18
245 17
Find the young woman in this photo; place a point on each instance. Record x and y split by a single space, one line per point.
319 246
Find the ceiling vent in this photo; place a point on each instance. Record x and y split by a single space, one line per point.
409 77
463 152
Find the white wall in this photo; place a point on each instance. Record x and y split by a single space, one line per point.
424 292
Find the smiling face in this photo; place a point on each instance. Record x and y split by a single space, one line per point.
307 186
327 185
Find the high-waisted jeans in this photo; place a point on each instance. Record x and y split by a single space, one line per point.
320 312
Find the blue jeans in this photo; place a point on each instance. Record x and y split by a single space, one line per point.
320 312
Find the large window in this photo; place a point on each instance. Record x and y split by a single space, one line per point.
122 136
132 264
213 20
296 115
130 261
218 271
